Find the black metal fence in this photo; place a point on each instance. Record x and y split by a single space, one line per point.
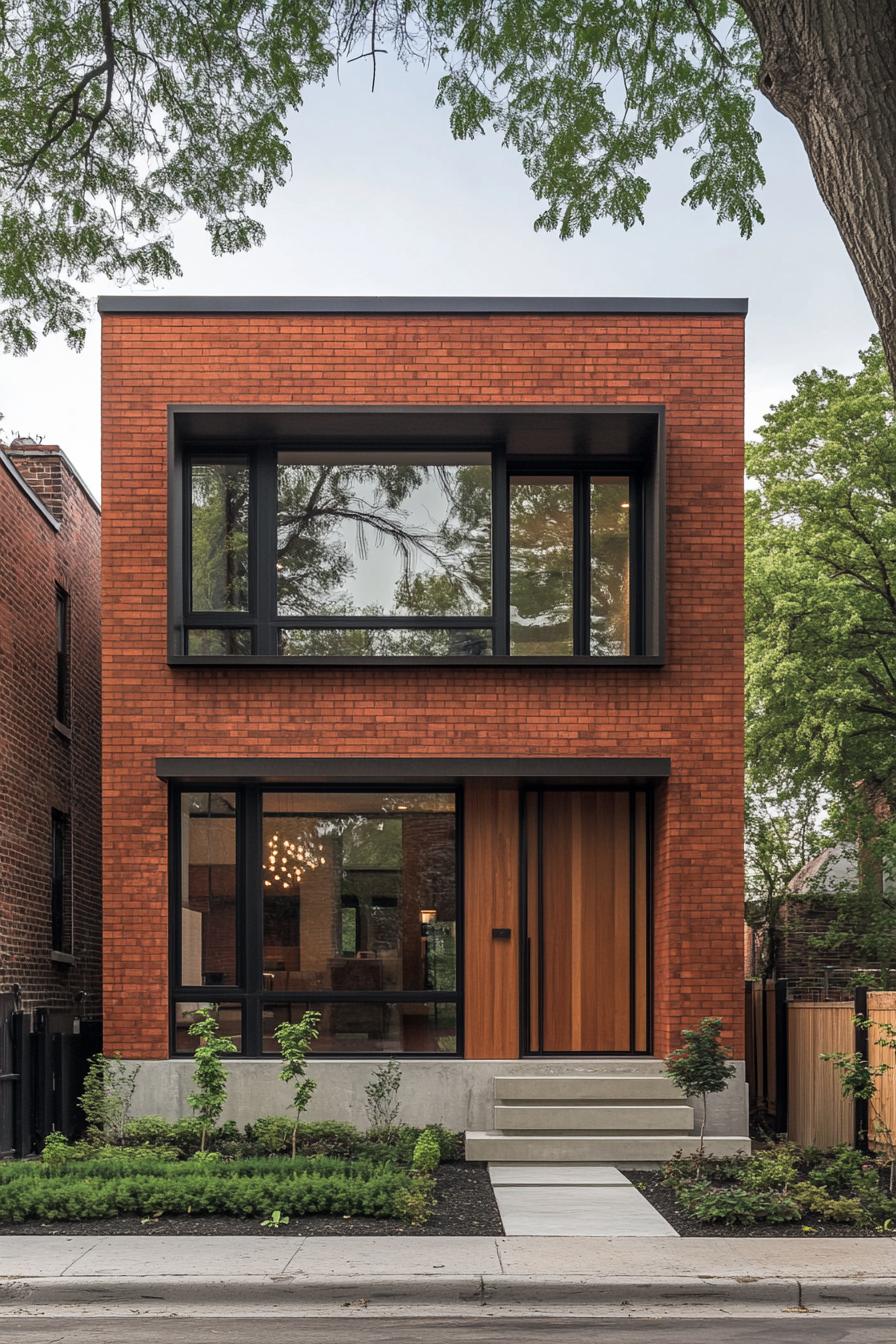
43 1062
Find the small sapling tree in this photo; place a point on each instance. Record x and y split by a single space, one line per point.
860 1081
382 1096
105 1102
295 1040
701 1066
209 1075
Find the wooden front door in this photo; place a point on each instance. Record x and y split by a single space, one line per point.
587 921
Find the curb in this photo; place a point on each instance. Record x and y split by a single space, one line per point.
452 1292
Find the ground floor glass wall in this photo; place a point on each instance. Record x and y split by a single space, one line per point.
342 901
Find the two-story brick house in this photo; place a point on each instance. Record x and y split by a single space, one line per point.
49 736
423 694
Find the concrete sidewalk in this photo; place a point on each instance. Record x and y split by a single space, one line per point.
269 1275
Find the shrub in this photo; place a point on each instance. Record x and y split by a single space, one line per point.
209 1075
105 1102
295 1040
781 1183
427 1153
56 1151
382 1097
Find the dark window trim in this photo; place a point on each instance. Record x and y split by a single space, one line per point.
249 993
63 657
60 867
648 542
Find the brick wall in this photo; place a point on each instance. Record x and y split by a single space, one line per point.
690 710
41 768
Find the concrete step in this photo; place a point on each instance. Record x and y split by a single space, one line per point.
586 1087
615 1119
484 1146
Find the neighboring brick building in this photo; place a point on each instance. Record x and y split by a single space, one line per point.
383 577
50 833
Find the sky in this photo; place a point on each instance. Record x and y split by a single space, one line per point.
382 201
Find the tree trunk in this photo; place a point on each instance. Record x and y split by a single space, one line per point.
829 66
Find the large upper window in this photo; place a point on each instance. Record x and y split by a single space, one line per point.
409 553
342 901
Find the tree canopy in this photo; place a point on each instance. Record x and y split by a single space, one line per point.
117 117
821 651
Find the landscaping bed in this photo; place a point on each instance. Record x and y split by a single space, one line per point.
464 1205
780 1191
160 1179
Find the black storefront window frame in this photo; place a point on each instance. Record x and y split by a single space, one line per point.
249 992
264 623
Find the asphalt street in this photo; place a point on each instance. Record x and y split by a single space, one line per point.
780 1329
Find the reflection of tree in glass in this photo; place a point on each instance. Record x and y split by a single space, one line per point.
541 566
330 514
609 567
219 536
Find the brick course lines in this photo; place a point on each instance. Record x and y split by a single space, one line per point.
40 769
690 710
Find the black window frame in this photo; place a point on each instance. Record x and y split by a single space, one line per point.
60 886
249 992
265 624
63 657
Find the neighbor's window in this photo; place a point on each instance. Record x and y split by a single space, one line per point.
62 656
405 554
344 901
60 885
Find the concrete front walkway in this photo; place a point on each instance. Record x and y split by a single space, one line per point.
544 1199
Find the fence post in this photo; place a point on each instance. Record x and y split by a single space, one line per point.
23 1120
860 1140
782 1073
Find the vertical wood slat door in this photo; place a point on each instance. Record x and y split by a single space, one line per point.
593 922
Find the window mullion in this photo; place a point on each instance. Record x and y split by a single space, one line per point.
581 564
250 915
263 542
500 552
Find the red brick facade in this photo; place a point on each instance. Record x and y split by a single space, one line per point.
43 767
689 710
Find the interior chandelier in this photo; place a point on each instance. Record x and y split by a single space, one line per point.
288 861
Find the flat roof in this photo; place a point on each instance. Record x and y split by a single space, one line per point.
276 303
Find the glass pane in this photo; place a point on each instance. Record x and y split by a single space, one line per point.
213 643
359 892
610 565
383 534
208 889
541 565
362 1028
219 535
435 643
230 1024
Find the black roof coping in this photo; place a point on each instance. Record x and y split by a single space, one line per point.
275 303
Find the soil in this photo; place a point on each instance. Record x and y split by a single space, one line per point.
663 1200
465 1207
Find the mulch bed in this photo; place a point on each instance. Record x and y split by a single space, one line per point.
465 1207
663 1200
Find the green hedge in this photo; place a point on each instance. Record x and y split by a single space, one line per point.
250 1188
272 1135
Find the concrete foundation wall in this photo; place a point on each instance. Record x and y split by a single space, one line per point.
458 1093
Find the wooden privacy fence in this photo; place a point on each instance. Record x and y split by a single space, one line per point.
819 1116
797 1091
